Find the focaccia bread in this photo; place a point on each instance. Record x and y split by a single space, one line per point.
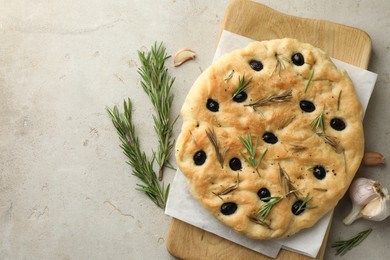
272 137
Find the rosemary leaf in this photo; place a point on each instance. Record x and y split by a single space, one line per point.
343 246
320 189
157 84
309 81
229 76
142 167
338 100
242 85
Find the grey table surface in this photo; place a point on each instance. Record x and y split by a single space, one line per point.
65 189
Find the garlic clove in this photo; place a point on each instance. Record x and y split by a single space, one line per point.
182 56
373 159
377 210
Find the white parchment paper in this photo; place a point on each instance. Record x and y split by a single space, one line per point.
183 206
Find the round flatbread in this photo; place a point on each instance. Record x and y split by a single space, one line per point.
272 137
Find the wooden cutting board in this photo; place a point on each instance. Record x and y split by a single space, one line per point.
259 22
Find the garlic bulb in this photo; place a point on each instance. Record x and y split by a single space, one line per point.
369 200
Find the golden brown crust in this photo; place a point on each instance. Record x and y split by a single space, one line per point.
298 149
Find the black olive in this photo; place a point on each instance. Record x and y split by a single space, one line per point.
212 105
240 97
337 124
295 207
228 208
319 172
235 164
264 193
256 65
307 106
298 59
270 138
200 157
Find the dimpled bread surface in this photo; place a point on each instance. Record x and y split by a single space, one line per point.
304 122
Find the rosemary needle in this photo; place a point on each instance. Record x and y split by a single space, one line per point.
310 79
157 84
142 166
343 246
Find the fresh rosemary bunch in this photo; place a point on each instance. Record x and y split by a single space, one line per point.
343 246
157 84
142 166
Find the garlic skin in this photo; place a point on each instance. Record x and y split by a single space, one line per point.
369 200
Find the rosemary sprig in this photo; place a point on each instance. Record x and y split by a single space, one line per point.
242 85
142 166
283 97
266 208
343 246
157 84
304 204
286 183
213 139
310 79
279 64
229 189
286 122
318 122
252 149
332 141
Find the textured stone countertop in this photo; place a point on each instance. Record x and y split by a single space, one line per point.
65 189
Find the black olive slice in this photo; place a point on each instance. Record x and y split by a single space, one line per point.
256 65
235 164
319 172
307 106
297 59
240 97
228 208
270 138
264 193
200 157
337 124
295 207
212 105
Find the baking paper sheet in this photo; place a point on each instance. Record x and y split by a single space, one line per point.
183 206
